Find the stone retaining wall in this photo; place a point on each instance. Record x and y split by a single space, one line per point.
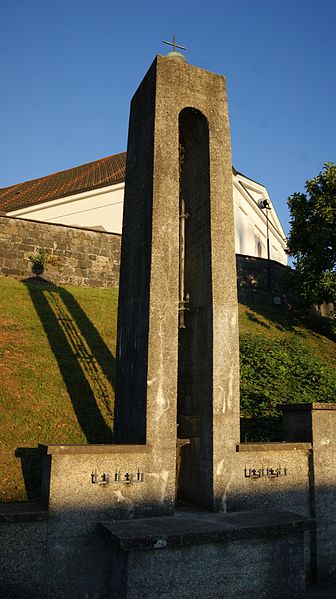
77 256
261 282
91 258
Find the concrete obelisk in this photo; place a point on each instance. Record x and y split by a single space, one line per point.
177 351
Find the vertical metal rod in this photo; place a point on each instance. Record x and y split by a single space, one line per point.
182 264
268 253
265 205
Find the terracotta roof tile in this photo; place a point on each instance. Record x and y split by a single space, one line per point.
64 183
105 171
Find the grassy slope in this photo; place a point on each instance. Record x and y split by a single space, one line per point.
283 359
57 370
278 324
57 355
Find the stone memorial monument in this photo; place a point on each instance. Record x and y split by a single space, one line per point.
178 356
177 351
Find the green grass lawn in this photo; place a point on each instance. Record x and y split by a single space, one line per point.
57 356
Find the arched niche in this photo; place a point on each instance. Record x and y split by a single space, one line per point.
195 359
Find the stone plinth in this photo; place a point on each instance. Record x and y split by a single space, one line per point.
312 422
23 541
83 485
316 423
83 482
233 556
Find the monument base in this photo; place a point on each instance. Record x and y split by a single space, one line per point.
243 555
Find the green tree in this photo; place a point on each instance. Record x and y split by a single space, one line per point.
312 238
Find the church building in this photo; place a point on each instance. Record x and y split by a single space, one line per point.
91 196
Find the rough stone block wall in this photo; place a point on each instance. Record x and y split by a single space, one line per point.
78 256
252 280
92 258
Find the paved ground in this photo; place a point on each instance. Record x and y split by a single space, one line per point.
322 591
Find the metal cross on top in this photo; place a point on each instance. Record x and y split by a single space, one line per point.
174 44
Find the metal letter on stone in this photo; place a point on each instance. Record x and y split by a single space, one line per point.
255 473
127 478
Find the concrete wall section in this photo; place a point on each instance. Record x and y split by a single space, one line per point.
135 271
317 423
78 485
86 484
251 484
267 567
231 556
23 559
291 477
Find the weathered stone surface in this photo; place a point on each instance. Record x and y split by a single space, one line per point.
76 503
200 527
208 556
77 499
319 426
22 512
23 560
148 301
253 286
288 491
76 568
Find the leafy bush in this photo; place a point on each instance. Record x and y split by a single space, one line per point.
38 261
280 371
41 260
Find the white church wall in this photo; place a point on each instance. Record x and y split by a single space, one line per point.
250 222
99 208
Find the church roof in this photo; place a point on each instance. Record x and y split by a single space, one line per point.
99 173
105 171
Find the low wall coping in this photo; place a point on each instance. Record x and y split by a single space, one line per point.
45 222
93 449
282 446
199 528
22 512
306 407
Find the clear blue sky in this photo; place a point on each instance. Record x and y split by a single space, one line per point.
69 69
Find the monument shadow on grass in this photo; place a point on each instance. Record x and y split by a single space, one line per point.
85 362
